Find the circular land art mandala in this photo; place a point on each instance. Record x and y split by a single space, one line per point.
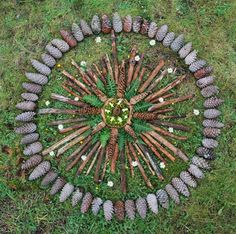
117 115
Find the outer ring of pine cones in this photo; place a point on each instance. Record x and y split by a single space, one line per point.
197 67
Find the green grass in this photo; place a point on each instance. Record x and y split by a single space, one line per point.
27 26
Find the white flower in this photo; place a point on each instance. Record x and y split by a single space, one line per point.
137 58
76 99
170 70
196 112
162 165
47 103
161 99
83 63
170 129
98 39
134 163
52 153
110 183
60 126
152 42
83 157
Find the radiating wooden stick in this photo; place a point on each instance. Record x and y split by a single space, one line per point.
105 166
138 67
112 142
163 111
64 140
130 131
81 111
98 127
123 184
81 85
142 171
154 150
104 68
67 100
166 89
170 102
108 65
164 97
175 126
154 165
114 158
144 159
93 161
151 76
151 140
71 92
138 98
114 56
66 121
122 81
75 87
88 157
102 78
131 65
174 149
166 133
140 78
68 129
92 75
98 166
127 151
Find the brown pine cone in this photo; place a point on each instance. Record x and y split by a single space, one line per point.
32 88
211 132
106 24
127 23
119 209
86 202
145 116
205 71
69 38
130 209
137 24
144 27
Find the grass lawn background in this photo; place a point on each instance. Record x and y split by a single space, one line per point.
27 26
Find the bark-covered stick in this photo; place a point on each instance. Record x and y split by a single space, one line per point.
114 56
122 172
66 121
131 65
138 67
175 126
127 152
114 158
98 166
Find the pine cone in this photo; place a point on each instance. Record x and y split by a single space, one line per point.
119 208
178 43
161 32
169 38
211 132
211 113
60 44
200 162
185 50
87 31
195 66
67 190
31 87
205 153
26 128
212 123
172 193
69 38
180 186
213 102
203 82
128 23
141 207
209 143
162 198
195 171
152 202
77 32
57 185
137 24
30 97
31 162
145 115
191 57
144 27
117 22
40 67
205 71
130 209
26 105
108 210
106 24
209 91
130 131
25 116
76 197
37 78
152 30
49 178
33 148
96 25
96 205
29 138
40 170
48 60
55 52
86 202
188 179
